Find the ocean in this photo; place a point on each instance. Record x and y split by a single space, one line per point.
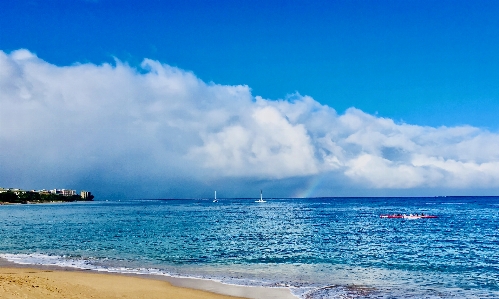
316 247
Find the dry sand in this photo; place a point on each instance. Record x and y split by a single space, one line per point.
39 283
51 282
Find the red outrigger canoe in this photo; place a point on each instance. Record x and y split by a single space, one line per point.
410 216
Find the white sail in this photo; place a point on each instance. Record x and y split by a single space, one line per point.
261 197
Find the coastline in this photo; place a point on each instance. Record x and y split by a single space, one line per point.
311 248
42 281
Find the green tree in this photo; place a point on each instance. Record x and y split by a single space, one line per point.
30 197
9 196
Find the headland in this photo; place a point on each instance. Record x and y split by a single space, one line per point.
16 195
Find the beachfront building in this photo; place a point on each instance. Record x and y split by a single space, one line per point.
66 192
85 194
63 192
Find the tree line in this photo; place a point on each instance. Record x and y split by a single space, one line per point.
35 197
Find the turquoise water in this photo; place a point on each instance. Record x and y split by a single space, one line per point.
319 247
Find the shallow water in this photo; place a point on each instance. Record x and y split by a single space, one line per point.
319 248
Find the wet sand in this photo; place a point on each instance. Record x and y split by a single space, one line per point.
43 282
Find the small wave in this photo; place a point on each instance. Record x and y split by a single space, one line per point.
83 264
86 264
336 291
305 291
46 260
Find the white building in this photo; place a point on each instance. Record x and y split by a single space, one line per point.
84 194
66 192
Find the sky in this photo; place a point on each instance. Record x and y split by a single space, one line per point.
176 99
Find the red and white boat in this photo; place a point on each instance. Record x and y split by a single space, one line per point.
410 216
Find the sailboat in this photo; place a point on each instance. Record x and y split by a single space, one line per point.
261 198
215 200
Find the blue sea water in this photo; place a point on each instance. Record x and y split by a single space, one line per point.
318 247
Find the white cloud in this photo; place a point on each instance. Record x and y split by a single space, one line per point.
121 124
264 144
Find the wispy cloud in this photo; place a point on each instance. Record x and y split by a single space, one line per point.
121 124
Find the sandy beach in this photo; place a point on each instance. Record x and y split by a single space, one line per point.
40 283
27 281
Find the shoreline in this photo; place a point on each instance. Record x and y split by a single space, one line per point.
181 287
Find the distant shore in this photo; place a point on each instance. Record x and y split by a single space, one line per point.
4 203
44 282
29 197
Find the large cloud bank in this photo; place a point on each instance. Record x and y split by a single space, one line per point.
121 124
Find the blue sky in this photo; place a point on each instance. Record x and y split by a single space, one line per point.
430 64
422 62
